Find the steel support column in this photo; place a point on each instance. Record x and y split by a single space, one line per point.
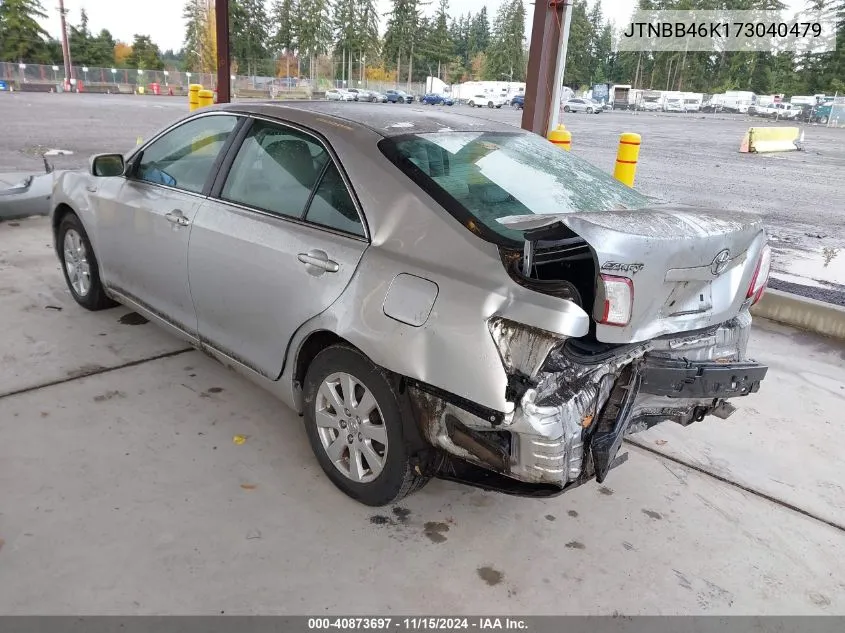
221 14
543 53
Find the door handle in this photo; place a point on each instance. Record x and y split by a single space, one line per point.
319 260
176 217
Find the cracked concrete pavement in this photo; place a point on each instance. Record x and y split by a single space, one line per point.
123 492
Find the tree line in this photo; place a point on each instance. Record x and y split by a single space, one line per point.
341 39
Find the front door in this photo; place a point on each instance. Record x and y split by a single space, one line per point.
143 229
277 248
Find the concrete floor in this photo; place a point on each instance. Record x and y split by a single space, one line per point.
123 492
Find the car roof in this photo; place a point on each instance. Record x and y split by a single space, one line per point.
383 120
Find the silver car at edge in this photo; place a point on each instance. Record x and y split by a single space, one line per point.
436 294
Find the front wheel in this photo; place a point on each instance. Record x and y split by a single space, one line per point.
499 106
353 419
567 109
81 271
489 104
589 110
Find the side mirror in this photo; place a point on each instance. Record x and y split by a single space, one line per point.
105 165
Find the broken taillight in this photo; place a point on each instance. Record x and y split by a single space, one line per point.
615 300
761 276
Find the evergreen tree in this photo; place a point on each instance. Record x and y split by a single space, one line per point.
248 26
283 16
478 35
506 55
21 37
145 54
195 18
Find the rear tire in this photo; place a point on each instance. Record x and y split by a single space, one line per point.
80 266
324 383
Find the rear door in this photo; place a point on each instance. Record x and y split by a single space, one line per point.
275 245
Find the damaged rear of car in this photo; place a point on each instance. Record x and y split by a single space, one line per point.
667 292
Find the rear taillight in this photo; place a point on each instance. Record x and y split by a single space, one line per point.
615 300
761 276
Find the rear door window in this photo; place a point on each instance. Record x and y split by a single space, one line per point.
275 170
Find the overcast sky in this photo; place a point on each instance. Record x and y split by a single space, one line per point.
162 19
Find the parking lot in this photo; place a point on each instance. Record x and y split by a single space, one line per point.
691 159
126 488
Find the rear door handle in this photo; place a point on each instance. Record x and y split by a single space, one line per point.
317 262
176 217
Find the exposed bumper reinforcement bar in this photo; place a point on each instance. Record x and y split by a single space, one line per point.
685 379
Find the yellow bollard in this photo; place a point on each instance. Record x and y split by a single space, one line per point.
626 158
206 98
193 96
561 137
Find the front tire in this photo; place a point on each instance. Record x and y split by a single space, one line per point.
567 109
353 419
79 265
471 104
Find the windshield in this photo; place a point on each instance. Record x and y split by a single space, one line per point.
484 176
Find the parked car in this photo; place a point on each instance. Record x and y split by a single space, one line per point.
650 106
518 102
491 101
582 105
379 97
511 346
334 95
398 96
437 99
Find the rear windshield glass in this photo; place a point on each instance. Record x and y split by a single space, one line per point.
484 176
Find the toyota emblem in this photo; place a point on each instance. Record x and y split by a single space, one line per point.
720 262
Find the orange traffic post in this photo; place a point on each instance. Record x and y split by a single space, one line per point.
626 158
193 96
561 137
206 98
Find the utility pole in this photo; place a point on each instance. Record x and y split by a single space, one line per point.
221 14
546 64
65 43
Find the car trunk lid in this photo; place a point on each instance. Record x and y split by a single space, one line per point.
689 268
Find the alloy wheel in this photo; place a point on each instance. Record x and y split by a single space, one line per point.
351 427
76 263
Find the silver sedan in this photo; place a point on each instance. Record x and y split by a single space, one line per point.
583 105
437 295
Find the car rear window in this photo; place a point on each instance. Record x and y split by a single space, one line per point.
484 176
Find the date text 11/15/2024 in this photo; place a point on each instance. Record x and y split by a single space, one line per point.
430 623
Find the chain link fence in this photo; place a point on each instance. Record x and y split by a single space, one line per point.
44 78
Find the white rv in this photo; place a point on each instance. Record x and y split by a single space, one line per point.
673 101
692 101
735 100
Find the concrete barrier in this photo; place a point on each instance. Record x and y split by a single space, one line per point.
770 139
802 313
